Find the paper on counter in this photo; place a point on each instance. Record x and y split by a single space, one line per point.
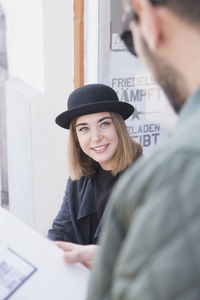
32 267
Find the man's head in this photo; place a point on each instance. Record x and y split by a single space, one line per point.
165 34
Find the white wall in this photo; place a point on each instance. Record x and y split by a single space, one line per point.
25 38
40 55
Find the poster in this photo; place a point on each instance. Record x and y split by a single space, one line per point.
153 118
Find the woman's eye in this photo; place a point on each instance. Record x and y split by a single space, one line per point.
83 129
105 124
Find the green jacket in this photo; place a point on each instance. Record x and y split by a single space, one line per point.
150 245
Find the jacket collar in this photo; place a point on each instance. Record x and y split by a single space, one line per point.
190 107
87 205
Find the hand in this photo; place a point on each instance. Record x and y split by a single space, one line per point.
74 253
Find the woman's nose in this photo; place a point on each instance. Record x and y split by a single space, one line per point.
96 134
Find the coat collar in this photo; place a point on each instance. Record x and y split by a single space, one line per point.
189 108
87 205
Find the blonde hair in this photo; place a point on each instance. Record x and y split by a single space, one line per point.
81 164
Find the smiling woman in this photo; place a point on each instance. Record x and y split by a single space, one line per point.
100 149
98 137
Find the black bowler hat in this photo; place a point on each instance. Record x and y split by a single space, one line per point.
93 98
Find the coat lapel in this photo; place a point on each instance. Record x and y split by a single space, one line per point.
87 205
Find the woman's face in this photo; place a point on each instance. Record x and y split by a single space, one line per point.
98 137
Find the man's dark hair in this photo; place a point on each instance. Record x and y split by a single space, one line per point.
186 9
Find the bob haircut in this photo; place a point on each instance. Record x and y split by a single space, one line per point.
81 164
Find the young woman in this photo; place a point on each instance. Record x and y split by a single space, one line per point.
100 149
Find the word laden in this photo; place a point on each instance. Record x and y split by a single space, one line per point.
147 134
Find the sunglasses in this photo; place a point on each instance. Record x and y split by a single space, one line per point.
126 34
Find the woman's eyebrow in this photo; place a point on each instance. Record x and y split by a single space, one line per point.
81 124
104 118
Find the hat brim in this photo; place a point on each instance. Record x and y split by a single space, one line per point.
122 108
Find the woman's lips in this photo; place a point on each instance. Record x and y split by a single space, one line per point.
100 149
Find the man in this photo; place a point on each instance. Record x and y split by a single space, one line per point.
150 246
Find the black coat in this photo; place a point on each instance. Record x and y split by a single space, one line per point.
77 215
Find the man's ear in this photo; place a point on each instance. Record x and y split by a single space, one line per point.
149 22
